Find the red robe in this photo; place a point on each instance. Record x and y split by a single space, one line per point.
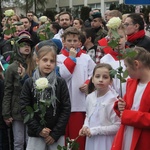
140 119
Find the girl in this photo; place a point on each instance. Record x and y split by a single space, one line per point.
101 123
134 108
49 135
111 57
13 86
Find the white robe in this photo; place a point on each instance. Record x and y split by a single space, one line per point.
115 64
102 120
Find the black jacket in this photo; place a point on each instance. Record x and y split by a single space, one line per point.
56 123
141 42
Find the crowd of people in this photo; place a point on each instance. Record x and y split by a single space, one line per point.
77 96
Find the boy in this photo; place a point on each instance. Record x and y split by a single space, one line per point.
76 68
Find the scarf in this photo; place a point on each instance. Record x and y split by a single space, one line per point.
49 92
135 36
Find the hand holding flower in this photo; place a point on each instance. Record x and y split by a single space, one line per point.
85 131
121 106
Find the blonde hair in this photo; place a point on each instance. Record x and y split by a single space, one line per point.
44 50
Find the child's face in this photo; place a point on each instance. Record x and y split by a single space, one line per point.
72 41
123 39
132 72
46 64
25 48
101 79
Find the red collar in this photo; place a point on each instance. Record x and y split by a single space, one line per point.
66 53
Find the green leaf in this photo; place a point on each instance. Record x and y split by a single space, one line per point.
42 37
129 53
13 30
7 31
31 115
113 72
35 106
18 23
125 74
27 117
120 69
113 44
115 34
29 109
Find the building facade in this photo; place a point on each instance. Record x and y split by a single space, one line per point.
59 5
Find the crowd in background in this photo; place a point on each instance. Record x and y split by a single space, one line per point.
83 55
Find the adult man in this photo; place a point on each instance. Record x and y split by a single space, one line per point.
65 21
27 24
30 16
96 24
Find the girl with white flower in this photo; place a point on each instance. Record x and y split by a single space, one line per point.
45 129
111 54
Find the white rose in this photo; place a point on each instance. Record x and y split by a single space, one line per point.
43 18
9 13
12 42
41 83
114 23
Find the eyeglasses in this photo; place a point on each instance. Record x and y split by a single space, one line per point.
127 24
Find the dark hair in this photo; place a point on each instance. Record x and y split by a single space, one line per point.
89 32
91 86
25 18
30 12
83 37
63 13
80 21
141 55
137 19
56 26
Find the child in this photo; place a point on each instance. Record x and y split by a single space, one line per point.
101 123
134 108
12 89
57 114
76 68
111 57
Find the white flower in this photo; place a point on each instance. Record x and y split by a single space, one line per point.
114 23
43 19
12 42
9 13
41 83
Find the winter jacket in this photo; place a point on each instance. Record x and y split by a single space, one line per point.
12 90
57 123
141 42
